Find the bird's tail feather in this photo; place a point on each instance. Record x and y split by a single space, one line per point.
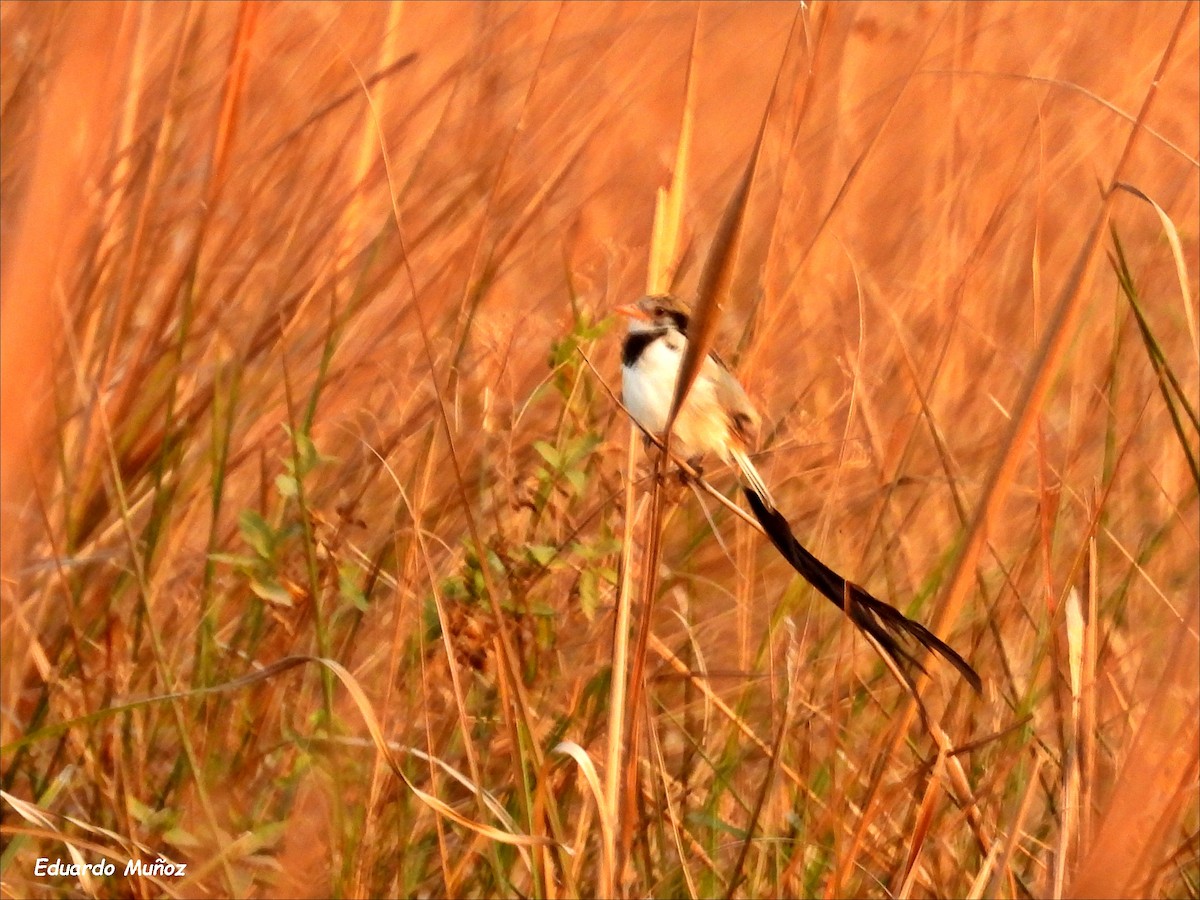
742 460
880 620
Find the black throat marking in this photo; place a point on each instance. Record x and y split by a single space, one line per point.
636 343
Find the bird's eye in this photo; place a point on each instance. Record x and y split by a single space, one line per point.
659 312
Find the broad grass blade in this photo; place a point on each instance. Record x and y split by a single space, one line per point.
718 266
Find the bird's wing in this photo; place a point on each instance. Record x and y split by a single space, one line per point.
742 421
743 418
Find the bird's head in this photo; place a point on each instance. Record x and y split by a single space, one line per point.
656 312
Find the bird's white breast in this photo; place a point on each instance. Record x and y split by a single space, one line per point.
648 386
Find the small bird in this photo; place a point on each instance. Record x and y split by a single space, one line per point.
718 419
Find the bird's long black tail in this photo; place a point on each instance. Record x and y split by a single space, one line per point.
880 620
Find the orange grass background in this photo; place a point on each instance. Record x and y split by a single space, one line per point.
218 222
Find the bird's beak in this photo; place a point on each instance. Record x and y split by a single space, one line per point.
633 311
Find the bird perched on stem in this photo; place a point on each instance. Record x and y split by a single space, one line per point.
718 419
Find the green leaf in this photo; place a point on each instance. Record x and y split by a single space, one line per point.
715 822
234 559
257 533
287 485
542 554
306 451
139 810
271 591
180 837
496 563
549 453
349 590
582 446
589 595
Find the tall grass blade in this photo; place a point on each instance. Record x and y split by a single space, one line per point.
1180 258
1174 397
1050 354
718 265
1154 780
668 203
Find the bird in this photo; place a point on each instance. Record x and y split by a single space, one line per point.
718 419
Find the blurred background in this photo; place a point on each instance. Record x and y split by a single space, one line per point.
306 337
